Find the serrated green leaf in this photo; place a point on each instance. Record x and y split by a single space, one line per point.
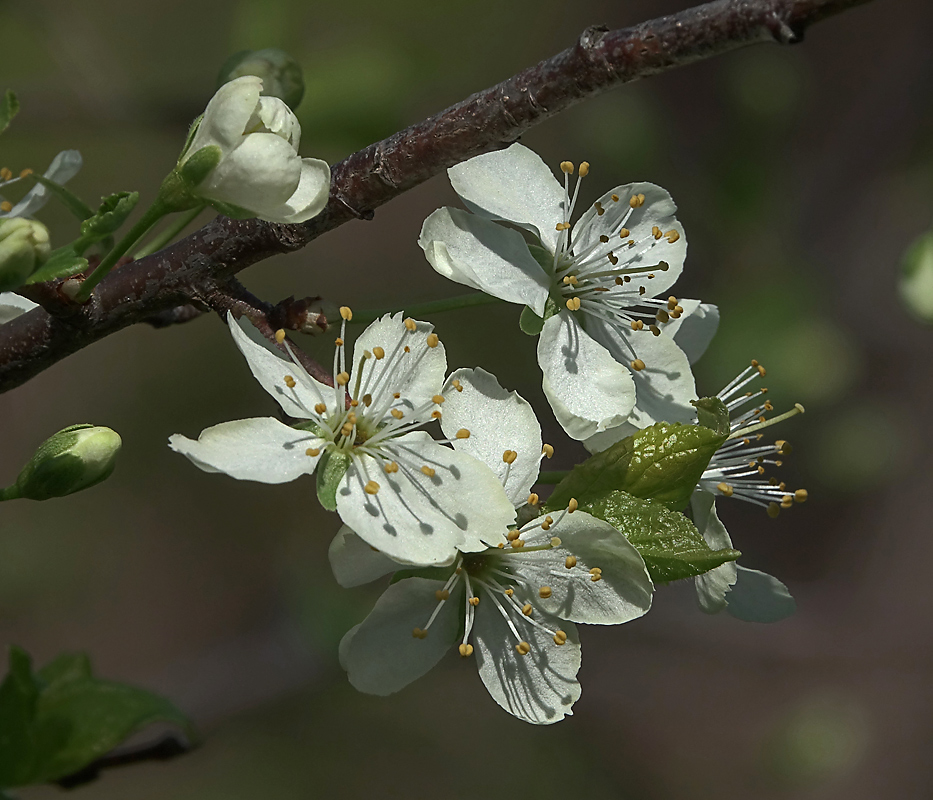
663 463
713 414
110 216
62 263
9 108
330 471
58 721
69 199
668 541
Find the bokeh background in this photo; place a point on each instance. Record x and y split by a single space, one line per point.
801 174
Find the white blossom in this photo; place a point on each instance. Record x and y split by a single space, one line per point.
411 497
602 284
259 170
62 169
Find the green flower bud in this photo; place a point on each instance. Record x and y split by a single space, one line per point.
916 280
280 73
24 247
73 459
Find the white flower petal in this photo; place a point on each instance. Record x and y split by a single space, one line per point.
695 329
588 390
416 376
309 198
227 114
497 420
513 185
665 387
624 592
759 597
382 656
422 519
278 118
658 210
13 306
539 687
354 562
260 174
62 169
260 449
712 586
270 371
484 255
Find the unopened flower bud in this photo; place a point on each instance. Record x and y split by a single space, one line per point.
24 247
280 73
73 459
916 280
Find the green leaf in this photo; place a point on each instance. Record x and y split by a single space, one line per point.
330 471
668 541
713 414
663 463
9 108
110 216
62 263
530 322
57 721
69 199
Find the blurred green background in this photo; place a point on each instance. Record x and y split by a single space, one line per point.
801 174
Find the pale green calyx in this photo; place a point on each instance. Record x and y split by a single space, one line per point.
73 459
24 247
280 73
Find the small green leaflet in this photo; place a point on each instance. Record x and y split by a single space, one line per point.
713 414
57 721
669 542
663 462
62 263
330 471
9 108
110 216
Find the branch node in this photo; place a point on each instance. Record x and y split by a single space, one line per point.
782 32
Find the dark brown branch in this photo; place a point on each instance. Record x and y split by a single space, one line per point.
494 118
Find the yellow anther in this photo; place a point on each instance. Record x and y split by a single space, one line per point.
678 310
429 471
457 385
634 201
279 334
513 535
783 447
641 289
570 562
573 505
391 467
320 408
613 259
396 413
555 541
546 525
801 495
442 594
533 499
474 601
787 501
25 173
346 429
289 381
523 648
518 543
407 349
548 450
500 545
638 365
562 226
566 167
615 198
371 487
438 398
418 633
624 233
354 403
351 418
345 313
509 456
599 209
436 415
432 340
560 638
596 574
397 395
527 609
463 433
367 400
672 302
338 342
509 592
343 378
573 304
656 232
378 352
655 330
637 324
313 452
466 650
725 488
411 325
662 316
603 238
584 168
773 510
544 592
6 173
672 236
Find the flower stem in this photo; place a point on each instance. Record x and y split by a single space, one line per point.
552 476
432 307
153 214
168 235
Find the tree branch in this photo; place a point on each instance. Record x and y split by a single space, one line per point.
600 60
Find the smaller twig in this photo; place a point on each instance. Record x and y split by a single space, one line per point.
161 750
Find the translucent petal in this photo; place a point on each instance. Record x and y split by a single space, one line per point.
62 169
588 390
758 597
278 118
354 562
712 586
497 420
381 656
261 449
484 255
695 329
309 198
13 306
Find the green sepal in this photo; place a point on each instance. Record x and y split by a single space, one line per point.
530 322
200 164
110 216
669 542
663 463
192 130
9 108
57 721
62 263
713 414
69 199
330 471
